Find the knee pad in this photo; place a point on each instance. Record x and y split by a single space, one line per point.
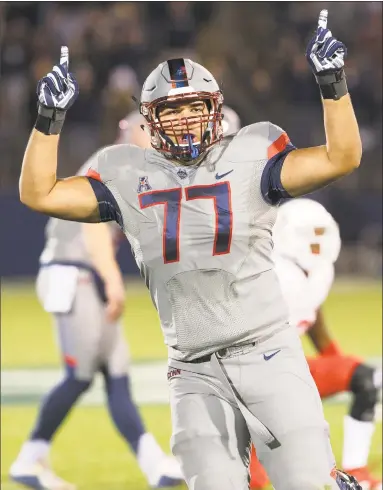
365 393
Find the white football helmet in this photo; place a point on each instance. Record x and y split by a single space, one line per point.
182 80
230 123
306 233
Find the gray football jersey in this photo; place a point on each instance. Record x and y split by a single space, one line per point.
64 239
201 236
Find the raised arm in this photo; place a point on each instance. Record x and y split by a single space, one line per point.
305 170
72 198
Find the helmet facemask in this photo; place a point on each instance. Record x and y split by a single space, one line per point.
185 139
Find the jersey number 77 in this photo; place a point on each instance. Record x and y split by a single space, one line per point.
220 193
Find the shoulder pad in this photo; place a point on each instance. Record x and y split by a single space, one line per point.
90 163
259 141
113 162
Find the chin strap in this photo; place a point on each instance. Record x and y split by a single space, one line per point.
194 149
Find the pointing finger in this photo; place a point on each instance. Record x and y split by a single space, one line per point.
64 56
322 21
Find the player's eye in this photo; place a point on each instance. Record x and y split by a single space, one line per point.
169 111
172 112
197 109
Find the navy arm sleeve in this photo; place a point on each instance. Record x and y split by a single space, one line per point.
271 186
108 207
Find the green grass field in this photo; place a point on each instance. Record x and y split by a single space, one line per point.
88 451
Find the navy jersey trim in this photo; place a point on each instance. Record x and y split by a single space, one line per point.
271 186
107 205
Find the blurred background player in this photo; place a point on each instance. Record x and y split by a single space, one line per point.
81 285
307 244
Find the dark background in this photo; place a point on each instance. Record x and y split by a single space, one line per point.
254 49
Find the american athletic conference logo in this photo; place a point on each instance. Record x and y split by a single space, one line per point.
143 184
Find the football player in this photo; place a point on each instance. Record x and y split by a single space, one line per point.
198 211
81 285
306 245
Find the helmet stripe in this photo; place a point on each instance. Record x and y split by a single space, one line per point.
178 75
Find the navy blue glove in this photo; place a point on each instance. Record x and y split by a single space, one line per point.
56 93
326 55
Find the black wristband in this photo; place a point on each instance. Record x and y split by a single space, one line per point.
49 121
332 85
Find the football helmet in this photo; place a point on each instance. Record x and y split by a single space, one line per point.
181 81
306 233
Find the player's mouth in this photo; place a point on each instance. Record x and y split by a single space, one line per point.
187 137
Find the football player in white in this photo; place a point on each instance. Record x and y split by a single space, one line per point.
306 245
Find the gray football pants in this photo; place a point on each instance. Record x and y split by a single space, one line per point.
219 406
86 340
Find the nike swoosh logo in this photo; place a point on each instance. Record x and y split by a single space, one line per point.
218 177
268 357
